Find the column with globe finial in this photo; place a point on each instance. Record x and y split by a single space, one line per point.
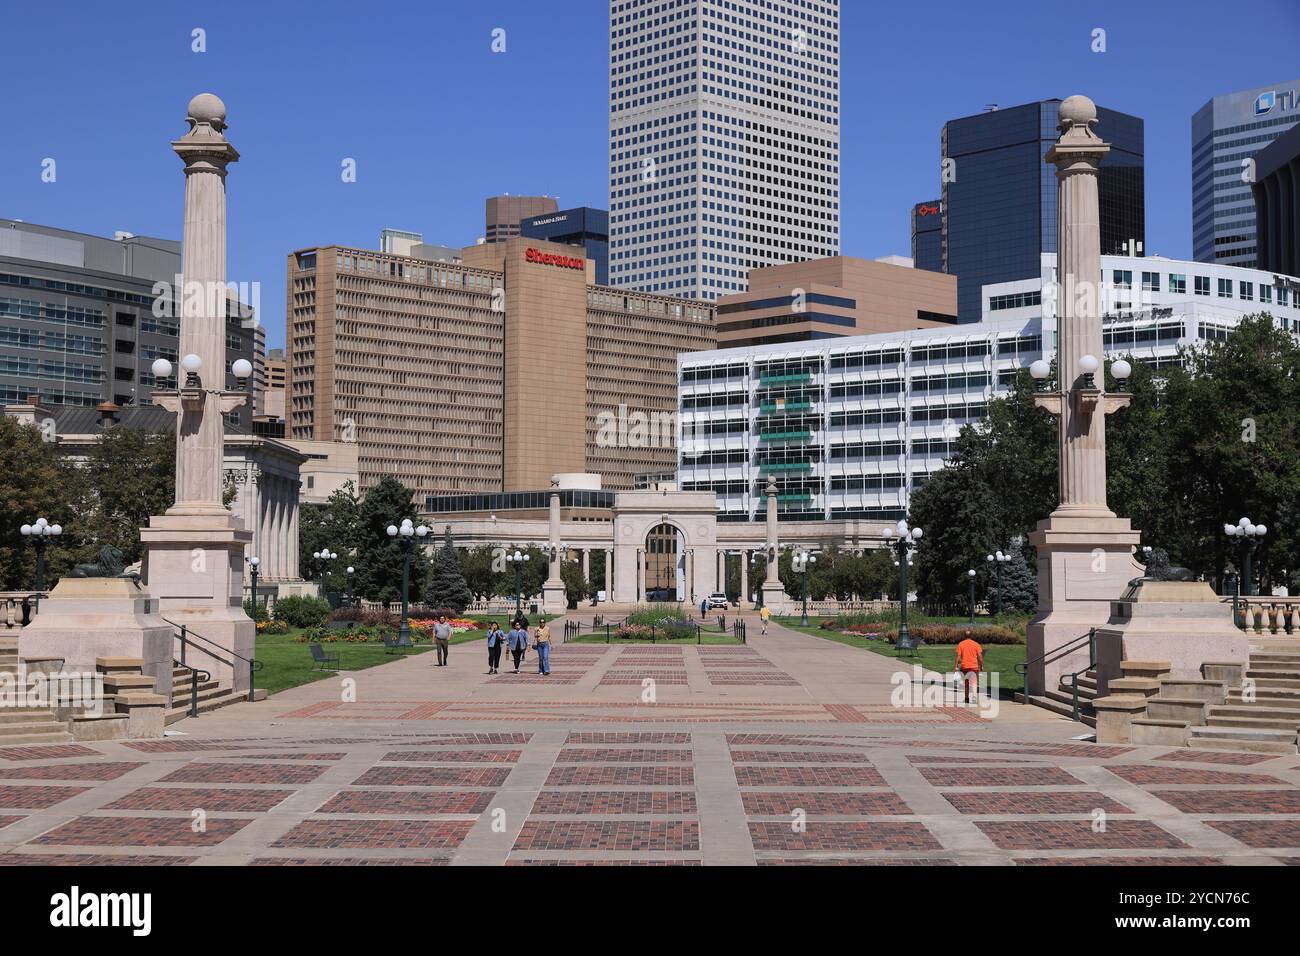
1084 551
773 591
194 561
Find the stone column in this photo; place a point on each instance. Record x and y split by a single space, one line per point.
1084 551
640 574
292 569
773 592
553 589
194 553
609 573
586 562
744 577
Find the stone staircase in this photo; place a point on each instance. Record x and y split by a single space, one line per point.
211 696
26 725
1262 712
1060 700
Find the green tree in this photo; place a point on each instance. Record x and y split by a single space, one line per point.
479 568
333 526
379 556
1019 585
576 585
447 587
959 513
128 476
34 483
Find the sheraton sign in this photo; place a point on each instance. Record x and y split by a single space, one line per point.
551 259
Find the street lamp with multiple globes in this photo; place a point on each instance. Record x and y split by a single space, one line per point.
40 533
408 532
997 559
801 562
517 559
253 564
903 540
1248 534
970 579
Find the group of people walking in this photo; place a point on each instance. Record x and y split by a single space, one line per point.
516 640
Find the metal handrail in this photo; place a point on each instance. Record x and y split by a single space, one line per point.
195 680
186 635
1055 654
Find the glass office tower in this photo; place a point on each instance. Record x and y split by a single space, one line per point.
927 235
584 226
999 196
1226 133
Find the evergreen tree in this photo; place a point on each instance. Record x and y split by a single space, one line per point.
379 557
333 526
1019 585
34 483
447 588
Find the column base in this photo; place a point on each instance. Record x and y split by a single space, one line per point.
775 598
553 598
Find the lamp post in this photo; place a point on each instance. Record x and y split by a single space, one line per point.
997 559
407 531
970 580
903 540
321 556
799 563
253 564
518 559
40 533
351 573
1248 534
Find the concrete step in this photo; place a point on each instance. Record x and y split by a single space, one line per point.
22 715
1268 723
224 698
206 689
1056 707
1268 697
1253 710
1289 665
1273 681
1065 698
59 736
1251 739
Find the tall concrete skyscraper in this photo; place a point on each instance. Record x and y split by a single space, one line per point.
1226 133
724 140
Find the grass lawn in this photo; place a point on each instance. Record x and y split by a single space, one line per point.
286 663
998 658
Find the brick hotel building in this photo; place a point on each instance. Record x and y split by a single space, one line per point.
486 375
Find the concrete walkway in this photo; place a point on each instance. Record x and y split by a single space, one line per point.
787 750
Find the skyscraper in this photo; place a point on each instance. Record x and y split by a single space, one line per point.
503 214
999 197
724 140
1226 133
927 235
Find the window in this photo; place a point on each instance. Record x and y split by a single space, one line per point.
1265 293
124 374
1202 285
1247 290
1177 284
1284 295
1225 288
1122 278
1151 282
126 319
124 346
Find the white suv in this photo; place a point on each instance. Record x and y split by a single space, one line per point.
718 600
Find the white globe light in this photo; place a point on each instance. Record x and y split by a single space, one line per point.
1088 364
970 573
1039 369
1243 523
26 529
916 534
392 530
242 368
40 523
58 529
254 560
998 555
1259 529
351 569
1250 530
422 531
988 557
1121 369
161 368
886 532
1229 529
191 363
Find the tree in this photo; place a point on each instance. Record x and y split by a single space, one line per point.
1019 585
576 585
447 588
959 514
128 476
335 526
34 483
379 556
479 568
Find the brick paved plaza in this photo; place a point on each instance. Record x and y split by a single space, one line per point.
786 751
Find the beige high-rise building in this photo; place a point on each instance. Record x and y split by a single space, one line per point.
505 213
487 375
837 295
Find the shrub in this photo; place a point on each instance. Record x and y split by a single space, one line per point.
273 627
347 614
949 634
258 615
303 611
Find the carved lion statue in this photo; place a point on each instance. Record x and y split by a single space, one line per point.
110 565
1158 568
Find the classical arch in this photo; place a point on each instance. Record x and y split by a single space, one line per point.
663 552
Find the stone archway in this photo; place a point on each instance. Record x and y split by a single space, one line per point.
662 556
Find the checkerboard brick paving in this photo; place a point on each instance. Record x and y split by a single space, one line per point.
768 803
632 802
35 798
347 861
1261 833
141 831
453 756
1079 835
209 799
91 859
408 802
46 752
818 835
999 777
245 773
621 776
607 755
1144 775
637 835
991 802
627 738
376 834
1119 861
69 771
1211 756
797 756
1232 801
432 777
809 777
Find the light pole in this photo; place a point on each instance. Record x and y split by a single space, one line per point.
351 572
40 533
997 559
903 540
799 563
970 579
1248 533
518 559
253 564
408 532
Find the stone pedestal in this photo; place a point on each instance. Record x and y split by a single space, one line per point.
553 598
775 598
1182 622
85 619
196 566
1084 564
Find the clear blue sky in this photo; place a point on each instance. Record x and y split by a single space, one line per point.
437 122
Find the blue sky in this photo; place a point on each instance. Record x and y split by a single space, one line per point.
436 121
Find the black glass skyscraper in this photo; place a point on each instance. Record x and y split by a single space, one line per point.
999 196
927 235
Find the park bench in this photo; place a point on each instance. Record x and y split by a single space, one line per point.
322 659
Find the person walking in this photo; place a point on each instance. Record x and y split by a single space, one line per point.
517 640
704 608
542 642
442 638
764 614
969 663
495 639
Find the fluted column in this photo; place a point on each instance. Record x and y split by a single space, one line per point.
772 543
744 576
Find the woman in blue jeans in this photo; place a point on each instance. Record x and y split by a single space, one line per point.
542 642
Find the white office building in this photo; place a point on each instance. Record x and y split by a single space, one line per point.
849 426
724 142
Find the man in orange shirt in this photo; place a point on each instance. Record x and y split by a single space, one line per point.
970 661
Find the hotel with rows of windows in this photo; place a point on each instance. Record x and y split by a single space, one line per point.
849 426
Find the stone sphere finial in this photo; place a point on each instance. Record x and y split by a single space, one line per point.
1077 111
207 108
